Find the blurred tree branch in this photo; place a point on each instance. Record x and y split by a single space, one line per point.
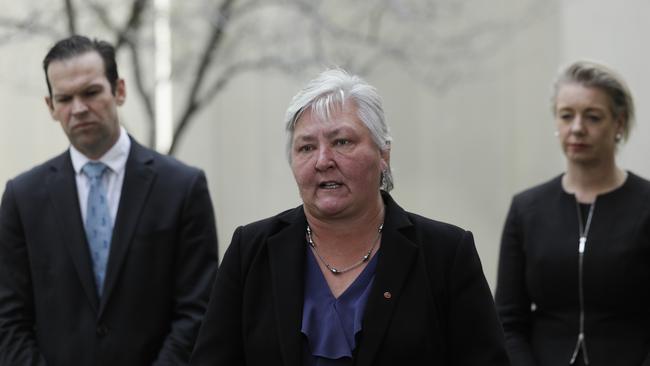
436 42
72 16
207 54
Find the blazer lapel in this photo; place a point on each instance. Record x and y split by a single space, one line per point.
287 261
396 256
138 178
63 193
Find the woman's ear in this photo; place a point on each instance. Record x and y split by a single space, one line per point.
385 156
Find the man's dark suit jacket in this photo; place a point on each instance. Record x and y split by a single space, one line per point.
429 303
162 262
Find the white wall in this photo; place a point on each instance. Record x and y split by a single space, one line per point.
614 32
458 156
27 133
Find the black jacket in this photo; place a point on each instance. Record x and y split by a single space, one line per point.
539 265
440 313
163 258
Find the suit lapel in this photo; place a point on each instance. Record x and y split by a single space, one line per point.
287 261
63 193
138 178
396 257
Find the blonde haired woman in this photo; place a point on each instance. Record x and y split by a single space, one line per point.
574 270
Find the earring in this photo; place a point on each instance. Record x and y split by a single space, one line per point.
382 181
618 137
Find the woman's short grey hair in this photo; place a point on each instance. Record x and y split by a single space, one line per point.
327 93
594 75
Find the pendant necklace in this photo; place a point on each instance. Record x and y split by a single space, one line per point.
335 270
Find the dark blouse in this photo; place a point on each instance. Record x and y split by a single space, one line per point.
331 325
537 293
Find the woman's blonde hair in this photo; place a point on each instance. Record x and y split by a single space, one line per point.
594 75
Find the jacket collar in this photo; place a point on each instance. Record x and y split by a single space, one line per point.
62 188
396 257
138 179
287 263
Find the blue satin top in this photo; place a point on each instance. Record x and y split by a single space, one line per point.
331 325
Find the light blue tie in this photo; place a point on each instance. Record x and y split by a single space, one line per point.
99 227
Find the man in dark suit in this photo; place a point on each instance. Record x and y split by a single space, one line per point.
107 251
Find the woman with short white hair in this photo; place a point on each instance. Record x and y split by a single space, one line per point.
348 277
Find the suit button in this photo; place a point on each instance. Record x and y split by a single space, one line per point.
102 330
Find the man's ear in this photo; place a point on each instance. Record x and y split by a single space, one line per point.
120 92
50 106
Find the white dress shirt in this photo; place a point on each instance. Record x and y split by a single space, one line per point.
115 158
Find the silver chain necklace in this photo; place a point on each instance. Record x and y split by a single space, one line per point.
335 270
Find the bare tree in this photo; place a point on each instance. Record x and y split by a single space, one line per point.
434 41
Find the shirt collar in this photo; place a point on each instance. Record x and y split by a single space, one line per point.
115 158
